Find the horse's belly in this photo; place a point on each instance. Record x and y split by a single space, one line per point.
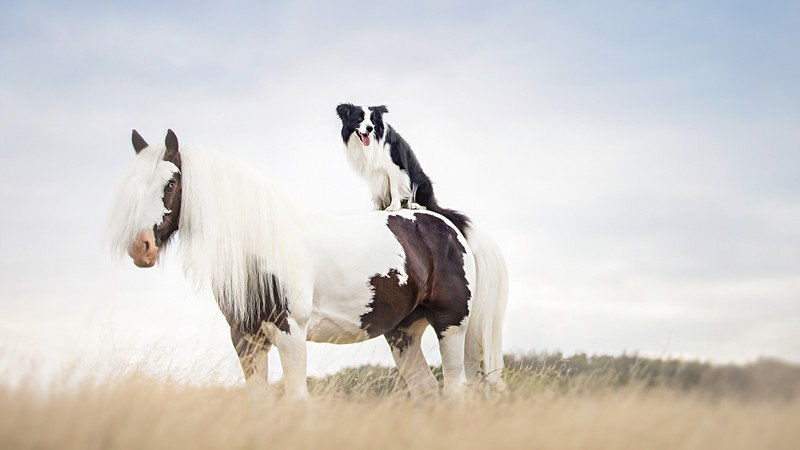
335 329
344 268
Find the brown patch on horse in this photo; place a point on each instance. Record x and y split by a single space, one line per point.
391 303
173 193
436 288
399 337
265 291
273 308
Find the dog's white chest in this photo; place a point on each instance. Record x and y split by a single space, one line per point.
374 164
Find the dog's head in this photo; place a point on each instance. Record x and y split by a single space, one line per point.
364 124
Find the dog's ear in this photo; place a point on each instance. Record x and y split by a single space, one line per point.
380 109
344 110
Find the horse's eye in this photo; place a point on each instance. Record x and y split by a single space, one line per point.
171 185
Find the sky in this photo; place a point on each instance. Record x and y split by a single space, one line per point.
636 161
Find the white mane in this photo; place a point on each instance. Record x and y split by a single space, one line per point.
232 221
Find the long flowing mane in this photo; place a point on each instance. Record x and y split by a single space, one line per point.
234 221
235 226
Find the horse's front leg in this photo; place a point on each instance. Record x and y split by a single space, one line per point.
252 351
292 350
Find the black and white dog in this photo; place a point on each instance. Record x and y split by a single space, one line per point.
385 160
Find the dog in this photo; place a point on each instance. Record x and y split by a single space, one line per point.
385 160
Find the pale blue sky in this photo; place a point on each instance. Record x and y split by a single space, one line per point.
636 160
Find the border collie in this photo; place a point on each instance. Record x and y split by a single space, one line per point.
385 160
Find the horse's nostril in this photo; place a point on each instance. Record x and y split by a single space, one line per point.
146 245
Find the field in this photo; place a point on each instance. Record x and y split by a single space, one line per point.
550 402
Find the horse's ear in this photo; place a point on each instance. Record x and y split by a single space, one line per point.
344 110
171 141
138 141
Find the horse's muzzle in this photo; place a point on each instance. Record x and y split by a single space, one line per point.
144 250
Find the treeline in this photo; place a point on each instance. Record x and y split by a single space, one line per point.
534 373
768 378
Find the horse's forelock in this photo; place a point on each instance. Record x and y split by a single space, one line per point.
138 203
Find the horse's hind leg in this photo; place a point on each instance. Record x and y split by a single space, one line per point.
406 344
252 351
450 323
451 346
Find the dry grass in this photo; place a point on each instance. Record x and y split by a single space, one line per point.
367 409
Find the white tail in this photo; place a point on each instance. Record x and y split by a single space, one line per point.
485 331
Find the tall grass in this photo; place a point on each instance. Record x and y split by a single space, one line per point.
550 402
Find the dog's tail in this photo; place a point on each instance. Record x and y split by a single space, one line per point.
457 218
483 352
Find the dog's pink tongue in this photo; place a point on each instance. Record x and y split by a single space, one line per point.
365 139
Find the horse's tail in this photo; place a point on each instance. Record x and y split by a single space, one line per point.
483 353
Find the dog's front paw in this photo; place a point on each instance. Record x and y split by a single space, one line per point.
412 205
393 207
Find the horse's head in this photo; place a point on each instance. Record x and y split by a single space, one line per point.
148 207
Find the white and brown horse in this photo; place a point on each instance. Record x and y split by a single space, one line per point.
284 274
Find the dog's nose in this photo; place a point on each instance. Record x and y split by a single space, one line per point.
369 128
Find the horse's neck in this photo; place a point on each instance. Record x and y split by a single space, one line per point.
230 212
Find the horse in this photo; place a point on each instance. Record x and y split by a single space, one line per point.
284 274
